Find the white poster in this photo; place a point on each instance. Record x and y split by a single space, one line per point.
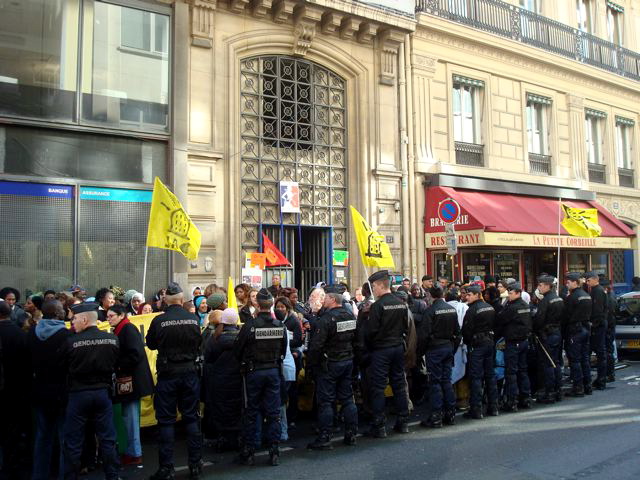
289 197
252 277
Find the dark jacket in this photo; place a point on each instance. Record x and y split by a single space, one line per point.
478 324
387 325
334 337
261 343
549 315
514 321
16 366
577 312
361 355
49 372
292 322
176 336
132 362
245 314
91 356
222 383
611 312
598 307
440 326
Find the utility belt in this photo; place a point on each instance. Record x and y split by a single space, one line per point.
480 338
251 366
339 356
167 367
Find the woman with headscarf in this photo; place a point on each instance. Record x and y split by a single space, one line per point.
222 384
202 309
137 299
133 379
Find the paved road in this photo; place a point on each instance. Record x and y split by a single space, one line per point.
593 437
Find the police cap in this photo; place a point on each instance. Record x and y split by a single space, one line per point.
84 307
573 276
548 279
591 275
379 275
605 282
474 289
264 294
173 288
515 286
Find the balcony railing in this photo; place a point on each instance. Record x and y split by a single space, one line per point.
470 154
540 164
530 28
625 177
597 173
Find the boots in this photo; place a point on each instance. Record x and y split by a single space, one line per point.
547 397
377 431
274 456
449 417
510 405
323 442
195 470
163 473
492 410
246 457
350 437
576 391
524 403
475 413
434 421
402 425
588 389
600 384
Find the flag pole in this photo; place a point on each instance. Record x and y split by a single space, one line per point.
559 238
144 269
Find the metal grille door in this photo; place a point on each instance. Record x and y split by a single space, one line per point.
293 121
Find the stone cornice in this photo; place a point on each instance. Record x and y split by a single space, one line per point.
487 46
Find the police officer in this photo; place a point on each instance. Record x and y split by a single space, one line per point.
546 325
514 324
261 347
597 341
611 328
575 328
330 357
176 336
477 332
384 335
91 357
442 337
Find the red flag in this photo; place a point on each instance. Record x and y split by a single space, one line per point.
275 258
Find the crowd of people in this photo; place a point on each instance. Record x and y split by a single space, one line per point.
483 347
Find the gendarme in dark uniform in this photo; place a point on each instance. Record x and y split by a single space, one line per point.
330 357
441 336
261 347
546 325
514 324
91 356
597 341
477 333
611 329
176 336
575 329
384 334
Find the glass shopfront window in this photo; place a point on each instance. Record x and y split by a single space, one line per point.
442 266
600 263
125 74
506 265
578 262
476 265
38 58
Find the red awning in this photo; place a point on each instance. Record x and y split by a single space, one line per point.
498 212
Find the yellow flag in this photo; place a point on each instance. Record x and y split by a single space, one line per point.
169 225
581 222
232 301
374 251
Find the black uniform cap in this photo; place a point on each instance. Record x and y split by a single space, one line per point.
573 276
84 307
515 286
173 288
379 275
264 294
548 279
605 282
474 289
591 275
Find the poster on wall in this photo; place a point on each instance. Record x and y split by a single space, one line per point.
289 197
252 277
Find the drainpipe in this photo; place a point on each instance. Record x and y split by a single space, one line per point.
414 221
404 195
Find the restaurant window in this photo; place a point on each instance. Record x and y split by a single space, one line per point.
125 81
600 263
476 265
38 58
442 266
578 262
506 265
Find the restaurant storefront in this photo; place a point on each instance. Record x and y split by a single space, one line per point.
517 236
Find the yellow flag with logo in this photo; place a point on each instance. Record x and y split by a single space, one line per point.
169 225
232 301
581 222
374 251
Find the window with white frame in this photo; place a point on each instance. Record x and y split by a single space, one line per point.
624 137
537 124
615 23
531 5
593 125
144 31
467 111
583 10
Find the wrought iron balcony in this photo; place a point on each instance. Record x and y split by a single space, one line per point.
597 173
540 164
470 154
530 28
625 177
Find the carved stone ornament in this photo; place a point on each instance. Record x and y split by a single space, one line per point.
388 46
202 22
303 36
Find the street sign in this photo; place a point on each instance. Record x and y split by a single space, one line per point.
448 210
451 239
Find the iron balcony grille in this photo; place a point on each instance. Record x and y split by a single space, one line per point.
597 173
540 164
470 154
523 26
625 177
